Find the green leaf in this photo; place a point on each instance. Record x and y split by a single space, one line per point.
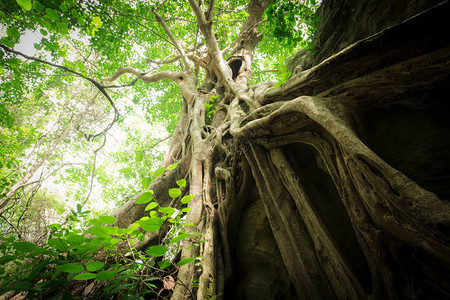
94 266
181 182
186 199
24 246
151 225
126 170
38 6
96 22
95 222
278 84
52 14
172 166
145 182
79 208
105 275
151 205
107 220
167 210
180 237
13 33
58 244
26 4
139 156
164 264
156 251
7 42
185 261
70 268
186 209
159 171
100 231
174 192
114 241
54 226
6 258
85 276
147 196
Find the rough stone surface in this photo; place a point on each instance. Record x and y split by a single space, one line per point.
344 22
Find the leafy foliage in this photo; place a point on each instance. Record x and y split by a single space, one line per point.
104 255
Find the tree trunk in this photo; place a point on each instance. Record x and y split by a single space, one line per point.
332 185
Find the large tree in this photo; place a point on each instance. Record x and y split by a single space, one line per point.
317 187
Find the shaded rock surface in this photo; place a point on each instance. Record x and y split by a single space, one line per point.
347 198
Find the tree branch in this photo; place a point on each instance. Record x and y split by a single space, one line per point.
174 41
176 76
164 61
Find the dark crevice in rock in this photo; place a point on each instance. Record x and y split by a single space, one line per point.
329 208
412 136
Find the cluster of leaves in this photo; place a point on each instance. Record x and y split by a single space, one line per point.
211 109
292 22
283 72
103 254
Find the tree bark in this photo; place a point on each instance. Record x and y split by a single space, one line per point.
344 222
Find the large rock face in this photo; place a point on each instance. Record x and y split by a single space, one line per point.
344 22
408 130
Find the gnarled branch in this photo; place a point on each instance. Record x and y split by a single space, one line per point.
176 76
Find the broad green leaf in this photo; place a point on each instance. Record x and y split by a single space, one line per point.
151 225
126 170
105 275
74 13
58 244
79 208
147 196
145 182
13 32
24 246
174 192
164 264
114 241
151 205
172 166
186 209
100 231
156 251
95 222
26 4
70 268
96 22
94 265
55 226
7 42
139 156
107 220
159 171
185 261
181 182
186 199
85 276
167 210
180 237
6 258
38 6
52 14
